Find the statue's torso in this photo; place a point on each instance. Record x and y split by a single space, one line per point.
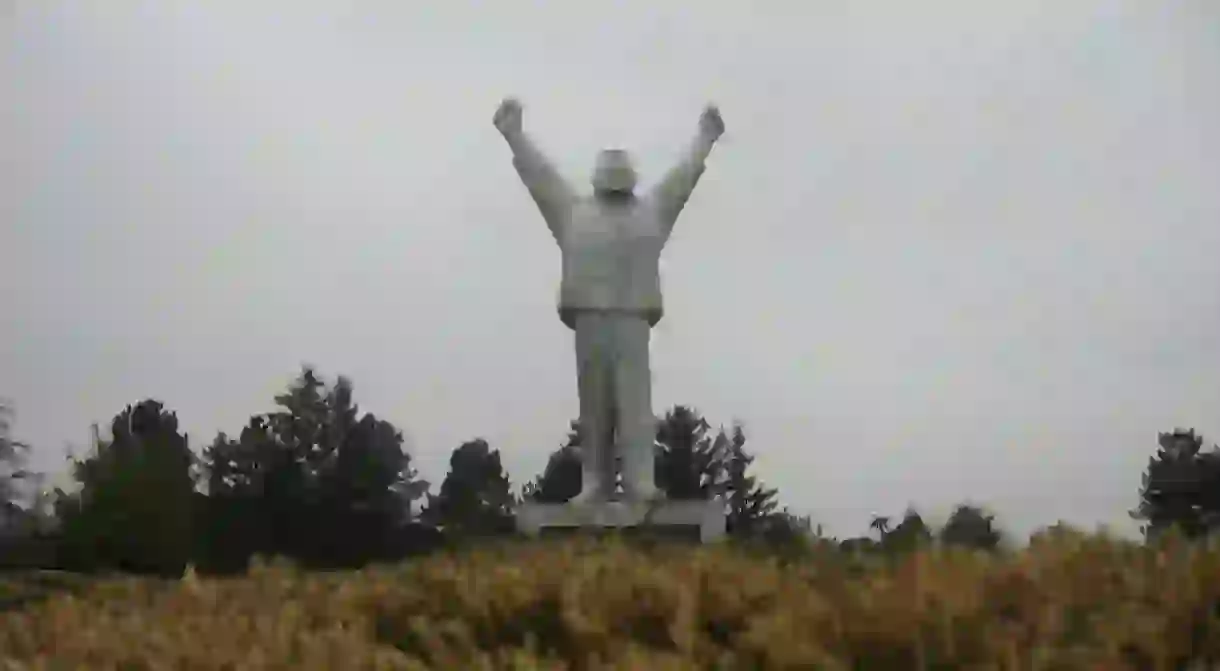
611 259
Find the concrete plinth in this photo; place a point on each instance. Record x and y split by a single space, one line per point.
706 518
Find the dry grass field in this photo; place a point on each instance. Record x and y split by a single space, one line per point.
1067 602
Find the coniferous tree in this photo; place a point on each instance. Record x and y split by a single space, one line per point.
13 454
691 463
561 479
911 533
475 497
1181 486
136 505
315 480
750 504
970 526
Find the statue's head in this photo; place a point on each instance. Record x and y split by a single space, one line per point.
613 174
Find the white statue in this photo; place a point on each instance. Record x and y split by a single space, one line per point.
611 293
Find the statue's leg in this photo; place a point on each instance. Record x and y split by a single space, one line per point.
637 426
593 360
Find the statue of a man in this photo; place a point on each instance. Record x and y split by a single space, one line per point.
611 293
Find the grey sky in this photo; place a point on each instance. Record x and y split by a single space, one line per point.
946 250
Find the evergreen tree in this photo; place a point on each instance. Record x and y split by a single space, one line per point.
13 454
561 480
749 502
970 526
1181 486
315 480
135 508
691 464
476 497
910 534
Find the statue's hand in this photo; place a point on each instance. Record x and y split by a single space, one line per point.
508 117
710 124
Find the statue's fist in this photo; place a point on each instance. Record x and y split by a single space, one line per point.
710 124
508 117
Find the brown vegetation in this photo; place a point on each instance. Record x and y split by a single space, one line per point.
1068 601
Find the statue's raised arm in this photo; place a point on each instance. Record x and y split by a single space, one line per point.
671 194
553 195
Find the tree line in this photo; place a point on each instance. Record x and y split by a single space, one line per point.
319 482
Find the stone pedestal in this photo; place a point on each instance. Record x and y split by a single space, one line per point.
702 519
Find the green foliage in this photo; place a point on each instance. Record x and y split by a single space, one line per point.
315 480
969 526
12 457
752 507
910 534
135 507
691 461
1181 486
561 479
318 481
476 497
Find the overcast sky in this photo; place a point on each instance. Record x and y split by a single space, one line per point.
945 250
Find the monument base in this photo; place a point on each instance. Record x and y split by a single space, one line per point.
704 520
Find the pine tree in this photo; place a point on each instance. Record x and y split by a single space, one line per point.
690 462
475 497
1181 486
135 510
750 503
